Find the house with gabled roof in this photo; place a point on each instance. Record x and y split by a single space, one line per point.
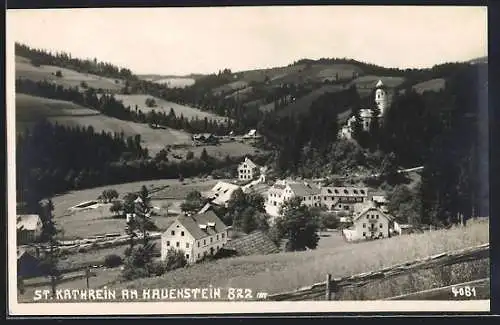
196 235
369 222
29 228
248 170
221 193
284 190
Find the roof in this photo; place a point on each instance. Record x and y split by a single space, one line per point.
205 208
255 243
221 192
249 162
28 221
361 209
192 224
304 189
365 112
345 191
379 83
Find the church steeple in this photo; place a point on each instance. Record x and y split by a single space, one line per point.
381 97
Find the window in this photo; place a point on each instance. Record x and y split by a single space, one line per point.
187 256
217 236
198 244
380 234
204 241
168 243
211 239
177 244
364 234
198 255
187 245
364 225
222 235
274 203
381 226
182 233
173 232
346 207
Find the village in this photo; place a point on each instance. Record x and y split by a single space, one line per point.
361 213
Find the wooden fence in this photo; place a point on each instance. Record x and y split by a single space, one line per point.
331 287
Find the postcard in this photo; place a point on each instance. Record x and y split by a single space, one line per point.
235 160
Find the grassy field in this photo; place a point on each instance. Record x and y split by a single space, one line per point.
29 108
303 104
163 105
430 85
97 221
233 149
70 78
288 271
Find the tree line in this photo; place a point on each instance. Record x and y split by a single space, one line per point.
108 105
52 158
40 57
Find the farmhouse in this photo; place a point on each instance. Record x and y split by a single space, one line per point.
204 138
196 235
343 198
221 193
284 190
383 98
368 222
29 228
248 170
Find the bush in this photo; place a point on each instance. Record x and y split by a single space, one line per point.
84 85
175 259
113 260
59 73
157 268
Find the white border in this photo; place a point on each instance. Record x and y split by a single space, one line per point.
175 308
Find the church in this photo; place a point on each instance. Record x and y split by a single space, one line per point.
382 100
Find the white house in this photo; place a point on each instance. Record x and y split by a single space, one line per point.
343 198
196 235
221 193
284 190
29 228
368 222
248 170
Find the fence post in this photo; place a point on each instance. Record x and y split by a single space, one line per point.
328 293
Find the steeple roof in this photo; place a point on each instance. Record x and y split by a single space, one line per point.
379 84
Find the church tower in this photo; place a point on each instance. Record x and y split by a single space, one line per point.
381 97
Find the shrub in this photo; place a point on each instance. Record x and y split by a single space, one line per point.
84 84
157 268
59 74
175 259
113 260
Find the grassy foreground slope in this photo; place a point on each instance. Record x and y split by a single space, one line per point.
288 271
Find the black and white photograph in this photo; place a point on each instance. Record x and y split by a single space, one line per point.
211 160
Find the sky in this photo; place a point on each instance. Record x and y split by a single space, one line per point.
179 41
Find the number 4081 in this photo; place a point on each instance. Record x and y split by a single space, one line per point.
463 291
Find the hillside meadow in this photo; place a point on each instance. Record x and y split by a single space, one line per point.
70 78
30 108
165 106
98 221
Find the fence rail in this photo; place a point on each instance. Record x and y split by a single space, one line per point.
331 286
